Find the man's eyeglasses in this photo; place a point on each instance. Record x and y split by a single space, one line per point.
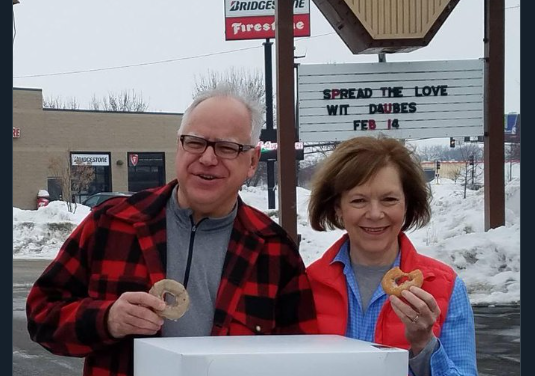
223 149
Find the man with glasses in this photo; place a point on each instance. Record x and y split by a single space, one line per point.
242 271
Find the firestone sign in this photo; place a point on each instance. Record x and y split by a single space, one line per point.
134 158
255 19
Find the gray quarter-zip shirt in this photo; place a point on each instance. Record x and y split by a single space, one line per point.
195 257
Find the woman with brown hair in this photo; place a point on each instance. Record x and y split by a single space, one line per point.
375 190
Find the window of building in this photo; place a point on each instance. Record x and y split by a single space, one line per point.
54 188
145 170
85 183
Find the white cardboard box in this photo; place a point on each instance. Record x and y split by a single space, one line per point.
293 355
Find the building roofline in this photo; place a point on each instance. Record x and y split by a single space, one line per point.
27 89
97 111
112 112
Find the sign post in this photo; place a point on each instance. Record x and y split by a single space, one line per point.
286 119
269 134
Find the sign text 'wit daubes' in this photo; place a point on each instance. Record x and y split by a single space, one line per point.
402 100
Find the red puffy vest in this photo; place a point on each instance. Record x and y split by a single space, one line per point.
330 293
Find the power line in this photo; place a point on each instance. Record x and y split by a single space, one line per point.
150 63
137 65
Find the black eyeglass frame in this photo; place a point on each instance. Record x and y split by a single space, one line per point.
241 147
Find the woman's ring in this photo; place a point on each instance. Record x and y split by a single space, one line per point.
415 318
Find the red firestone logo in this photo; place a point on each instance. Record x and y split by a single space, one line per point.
134 158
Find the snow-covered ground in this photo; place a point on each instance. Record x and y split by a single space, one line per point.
488 262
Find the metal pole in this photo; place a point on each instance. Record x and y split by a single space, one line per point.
269 120
286 117
297 167
473 169
494 39
465 178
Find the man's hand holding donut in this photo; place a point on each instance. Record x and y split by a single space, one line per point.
135 313
418 312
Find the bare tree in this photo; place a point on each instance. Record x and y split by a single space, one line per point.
247 81
123 102
321 148
58 103
126 101
471 155
73 179
431 153
455 174
512 156
95 103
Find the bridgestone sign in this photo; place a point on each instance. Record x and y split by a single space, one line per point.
90 159
255 19
409 100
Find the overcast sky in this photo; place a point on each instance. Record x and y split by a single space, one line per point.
158 48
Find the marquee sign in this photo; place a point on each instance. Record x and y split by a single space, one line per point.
255 19
407 100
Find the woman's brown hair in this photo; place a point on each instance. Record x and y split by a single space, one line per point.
353 163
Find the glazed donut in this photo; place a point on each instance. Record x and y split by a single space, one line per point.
170 286
391 277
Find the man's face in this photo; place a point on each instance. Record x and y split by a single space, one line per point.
209 184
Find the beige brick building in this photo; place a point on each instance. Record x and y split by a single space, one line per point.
128 151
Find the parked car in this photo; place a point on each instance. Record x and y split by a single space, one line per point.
100 197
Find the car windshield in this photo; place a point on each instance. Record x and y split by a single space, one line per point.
103 196
91 201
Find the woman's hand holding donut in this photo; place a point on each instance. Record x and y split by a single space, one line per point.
418 313
134 313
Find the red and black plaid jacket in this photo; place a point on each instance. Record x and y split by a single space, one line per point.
121 246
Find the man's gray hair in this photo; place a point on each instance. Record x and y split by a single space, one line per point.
252 103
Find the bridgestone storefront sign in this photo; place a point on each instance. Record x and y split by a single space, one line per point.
406 100
90 159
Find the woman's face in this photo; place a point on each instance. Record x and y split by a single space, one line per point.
373 214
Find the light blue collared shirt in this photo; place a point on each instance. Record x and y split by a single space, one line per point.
456 353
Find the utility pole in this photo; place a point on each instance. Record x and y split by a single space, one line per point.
472 163
270 134
494 36
284 36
